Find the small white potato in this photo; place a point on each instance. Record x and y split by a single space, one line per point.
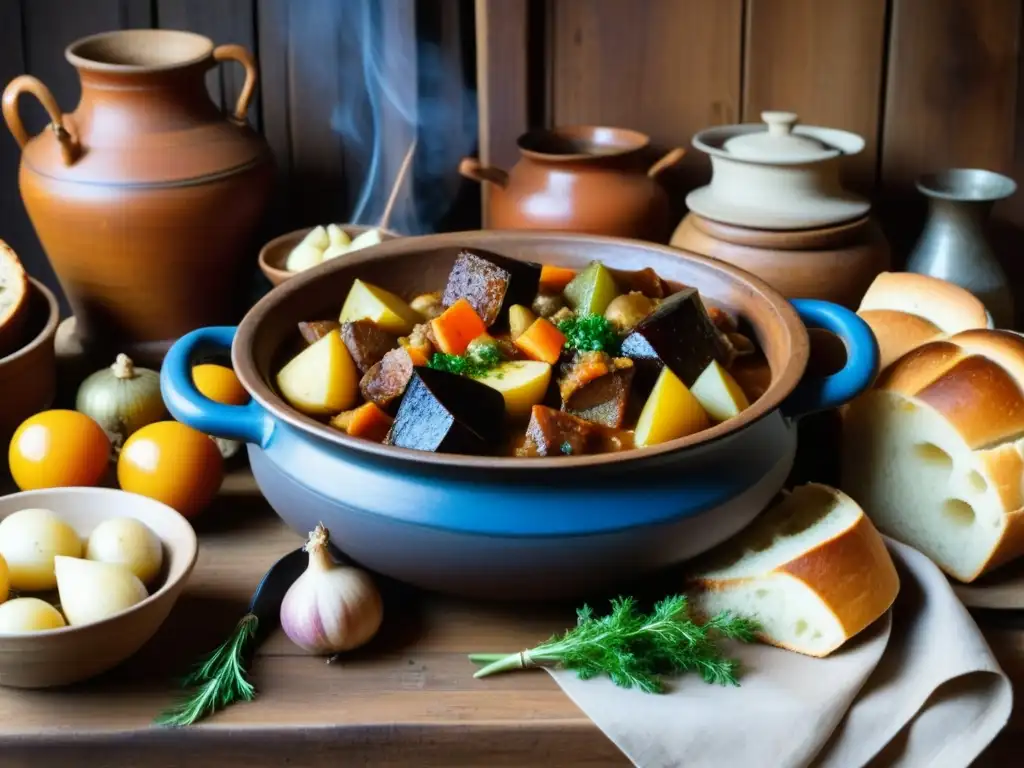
128 542
318 237
337 236
335 251
365 240
92 591
29 614
303 257
29 541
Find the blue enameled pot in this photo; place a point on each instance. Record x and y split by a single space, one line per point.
508 527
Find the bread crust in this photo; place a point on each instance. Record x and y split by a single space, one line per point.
852 574
897 333
14 318
948 306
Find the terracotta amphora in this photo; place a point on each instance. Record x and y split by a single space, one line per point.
590 179
145 197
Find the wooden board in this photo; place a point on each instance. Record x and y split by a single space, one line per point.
409 698
822 61
224 21
950 99
668 68
502 82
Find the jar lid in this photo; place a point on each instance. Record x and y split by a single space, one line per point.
778 143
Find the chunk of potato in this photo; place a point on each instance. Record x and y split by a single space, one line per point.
719 393
523 384
339 237
519 319
671 411
369 302
317 237
302 257
365 240
321 379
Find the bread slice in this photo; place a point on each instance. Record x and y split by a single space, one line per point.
906 310
935 452
812 571
14 289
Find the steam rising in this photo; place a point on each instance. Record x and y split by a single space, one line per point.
410 89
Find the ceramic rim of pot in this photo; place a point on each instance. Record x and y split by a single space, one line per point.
784 316
48 331
531 143
983 186
137 50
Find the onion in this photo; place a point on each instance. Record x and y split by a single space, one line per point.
330 607
121 399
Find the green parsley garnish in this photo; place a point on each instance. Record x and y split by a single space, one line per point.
566 448
477 361
635 650
590 333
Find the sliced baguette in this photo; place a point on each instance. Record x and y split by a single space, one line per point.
812 571
935 452
13 300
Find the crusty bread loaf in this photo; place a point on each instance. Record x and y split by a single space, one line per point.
934 452
13 300
906 310
812 571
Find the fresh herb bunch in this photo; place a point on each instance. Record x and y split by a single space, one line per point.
590 333
635 650
477 361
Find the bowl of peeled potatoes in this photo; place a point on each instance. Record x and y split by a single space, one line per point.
87 576
294 252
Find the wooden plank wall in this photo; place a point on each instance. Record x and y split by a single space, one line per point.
928 83
311 104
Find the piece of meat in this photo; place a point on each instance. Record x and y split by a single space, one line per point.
314 330
386 381
645 280
367 343
596 387
491 284
721 320
557 433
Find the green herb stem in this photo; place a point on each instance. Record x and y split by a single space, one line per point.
220 680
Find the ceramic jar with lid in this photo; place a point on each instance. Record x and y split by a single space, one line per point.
587 179
144 197
776 206
777 175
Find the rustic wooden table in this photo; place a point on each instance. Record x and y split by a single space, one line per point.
407 699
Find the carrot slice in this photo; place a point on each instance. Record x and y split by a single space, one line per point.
367 421
456 327
554 279
541 341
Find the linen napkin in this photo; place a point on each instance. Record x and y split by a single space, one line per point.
918 688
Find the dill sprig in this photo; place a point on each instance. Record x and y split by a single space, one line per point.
220 680
634 649
590 333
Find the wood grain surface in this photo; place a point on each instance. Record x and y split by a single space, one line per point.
822 61
408 698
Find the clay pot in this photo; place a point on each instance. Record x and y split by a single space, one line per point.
587 179
146 196
274 254
832 263
28 375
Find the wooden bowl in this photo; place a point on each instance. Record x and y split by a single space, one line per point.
274 253
28 376
72 654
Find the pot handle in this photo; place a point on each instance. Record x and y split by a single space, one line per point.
473 169
671 158
242 56
248 422
821 393
70 149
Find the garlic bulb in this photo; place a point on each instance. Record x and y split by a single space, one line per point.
121 399
330 607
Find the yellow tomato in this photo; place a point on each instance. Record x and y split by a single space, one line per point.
219 383
56 449
172 463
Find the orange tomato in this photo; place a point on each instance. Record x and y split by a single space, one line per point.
57 449
172 463
219 383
